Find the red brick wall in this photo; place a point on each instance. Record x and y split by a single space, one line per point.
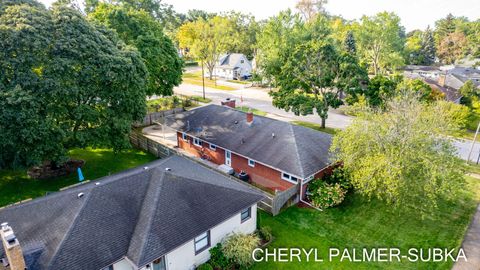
320 174
260 174
216 156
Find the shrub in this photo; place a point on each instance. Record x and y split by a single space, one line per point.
324 195
265 233
218 259
239 248
339 176
205 266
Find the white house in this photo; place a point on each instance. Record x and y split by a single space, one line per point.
233 66
164 216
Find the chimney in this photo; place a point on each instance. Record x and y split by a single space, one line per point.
441 79
249 117
229 103
12 248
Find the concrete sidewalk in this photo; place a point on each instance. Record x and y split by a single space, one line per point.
471 246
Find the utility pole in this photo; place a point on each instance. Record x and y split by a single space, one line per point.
203 81
473 143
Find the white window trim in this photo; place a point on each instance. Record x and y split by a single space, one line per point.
184 136
204 247
195 142
251 163
289 179
213 147
249 210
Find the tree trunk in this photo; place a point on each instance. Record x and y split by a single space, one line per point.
203 80
324 119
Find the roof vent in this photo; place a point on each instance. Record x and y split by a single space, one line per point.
4 225
236 122
145 168
80 195
97 183
168 169
273 135
242 141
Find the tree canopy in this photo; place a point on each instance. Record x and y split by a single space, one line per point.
63 83
137 28
401 155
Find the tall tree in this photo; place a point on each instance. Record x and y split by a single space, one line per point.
139 29
207 40
428 49
401 156
350 43
380 42
452 48
310 8
63 83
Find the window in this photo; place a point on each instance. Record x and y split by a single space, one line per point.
246 214
309 178
288 177
213 147
197 142
251 163
184 136
242 61
202 242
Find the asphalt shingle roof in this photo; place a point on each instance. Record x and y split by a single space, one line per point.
139 214
290 148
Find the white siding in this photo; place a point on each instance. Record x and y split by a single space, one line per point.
183 258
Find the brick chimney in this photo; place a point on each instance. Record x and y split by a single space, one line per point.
229 102
12 248
249 117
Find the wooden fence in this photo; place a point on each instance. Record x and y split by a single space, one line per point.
151 118
155 148
285 198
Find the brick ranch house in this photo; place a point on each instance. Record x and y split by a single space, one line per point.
166 215
275 154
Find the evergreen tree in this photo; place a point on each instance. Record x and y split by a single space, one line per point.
428 50
350 44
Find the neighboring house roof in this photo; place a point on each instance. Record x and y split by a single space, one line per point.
231 61
293 149
139 214
467 72
418 68
451 94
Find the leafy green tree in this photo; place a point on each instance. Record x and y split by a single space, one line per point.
380 89
207 40
401 156
469 93
310 8
428 49
139 29
423 91
196 14
63 83
380 42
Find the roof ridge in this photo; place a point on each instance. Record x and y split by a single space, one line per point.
157 189
296 151
70 228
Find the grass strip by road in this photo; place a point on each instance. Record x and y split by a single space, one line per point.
316 127
16 185
195 79
253 110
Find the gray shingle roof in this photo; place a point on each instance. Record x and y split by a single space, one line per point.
293 149
230 60
139 214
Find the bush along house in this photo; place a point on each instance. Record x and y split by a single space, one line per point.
165 216
275 155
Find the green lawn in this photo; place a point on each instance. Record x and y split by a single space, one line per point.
359 223
254 111
316 127
196 79
15 185
201 99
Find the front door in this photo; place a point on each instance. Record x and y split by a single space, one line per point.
228 158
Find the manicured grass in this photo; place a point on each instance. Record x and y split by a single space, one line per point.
316 127
196 79
201 99
15 185
239 82
359 223
254 111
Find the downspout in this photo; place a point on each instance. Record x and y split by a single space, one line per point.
305 202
